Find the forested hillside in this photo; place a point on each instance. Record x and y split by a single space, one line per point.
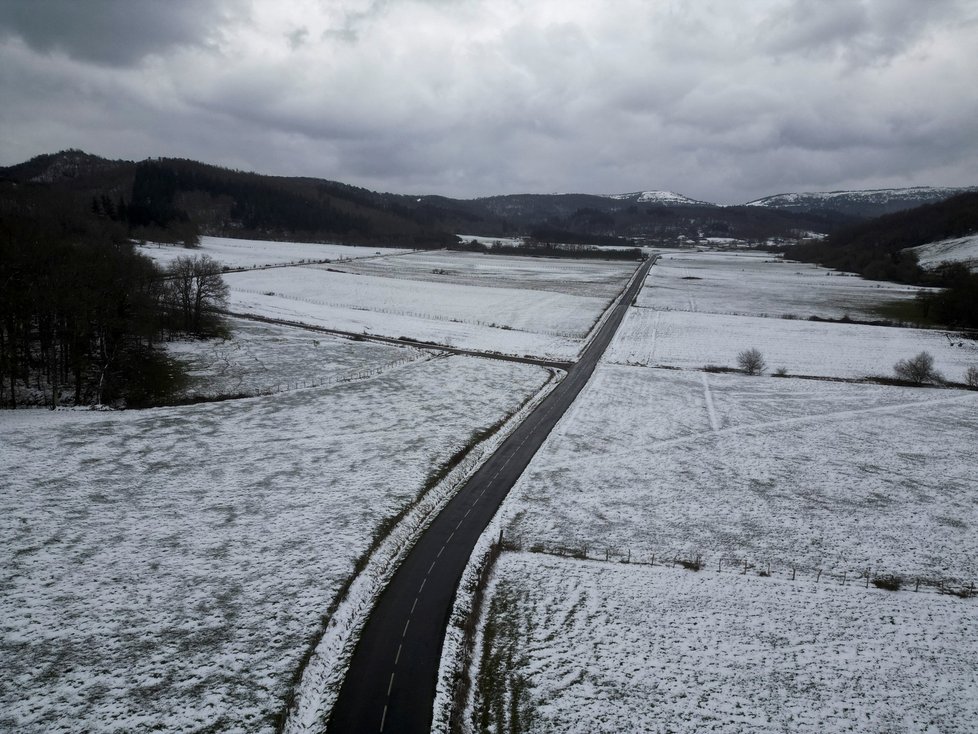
175 200
878 249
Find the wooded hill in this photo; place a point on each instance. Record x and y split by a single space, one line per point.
878 249
176 200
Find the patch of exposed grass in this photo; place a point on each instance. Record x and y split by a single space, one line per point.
903 312
503 702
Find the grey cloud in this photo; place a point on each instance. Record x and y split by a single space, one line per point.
111 32
492 96
857 31
297 37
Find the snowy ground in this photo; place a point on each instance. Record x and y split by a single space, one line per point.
538 307
259 357
694 340
959 249
235 253
762 284
836 476
166 569
595 278
505 308
585 646
833 480
536 314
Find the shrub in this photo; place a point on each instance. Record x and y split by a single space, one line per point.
890 583
918 369
694 565
971 377
781 372
751 361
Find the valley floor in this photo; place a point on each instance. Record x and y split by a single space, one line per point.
791 495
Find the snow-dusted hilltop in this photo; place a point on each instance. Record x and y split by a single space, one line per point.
871 202
957 249
656 197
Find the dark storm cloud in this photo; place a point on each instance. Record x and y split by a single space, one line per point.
720 101
114 32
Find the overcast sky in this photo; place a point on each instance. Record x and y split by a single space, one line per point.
718 100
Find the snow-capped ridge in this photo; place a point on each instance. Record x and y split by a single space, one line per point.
655 197
922 194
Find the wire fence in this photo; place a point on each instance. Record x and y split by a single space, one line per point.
880 578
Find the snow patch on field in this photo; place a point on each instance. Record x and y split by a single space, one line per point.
579 646
167 569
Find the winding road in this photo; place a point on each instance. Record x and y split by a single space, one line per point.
390 685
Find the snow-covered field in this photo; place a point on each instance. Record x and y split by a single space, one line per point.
959 249
521 319
836 476
594 278
589 647
761 284
235 253
693 340
539 307
543 312
833 481
259 357
166 569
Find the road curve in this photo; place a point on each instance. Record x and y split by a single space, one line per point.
390 685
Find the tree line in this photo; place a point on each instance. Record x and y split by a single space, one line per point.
547 249
82 312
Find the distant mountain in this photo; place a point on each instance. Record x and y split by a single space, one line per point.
658 197
862 204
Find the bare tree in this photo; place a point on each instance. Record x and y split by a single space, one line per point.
971 377
195 289
918 369
751 361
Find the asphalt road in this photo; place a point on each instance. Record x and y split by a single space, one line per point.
390 686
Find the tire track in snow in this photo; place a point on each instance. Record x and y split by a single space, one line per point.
746 427
710 408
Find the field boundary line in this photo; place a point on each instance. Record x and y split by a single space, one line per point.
740 566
